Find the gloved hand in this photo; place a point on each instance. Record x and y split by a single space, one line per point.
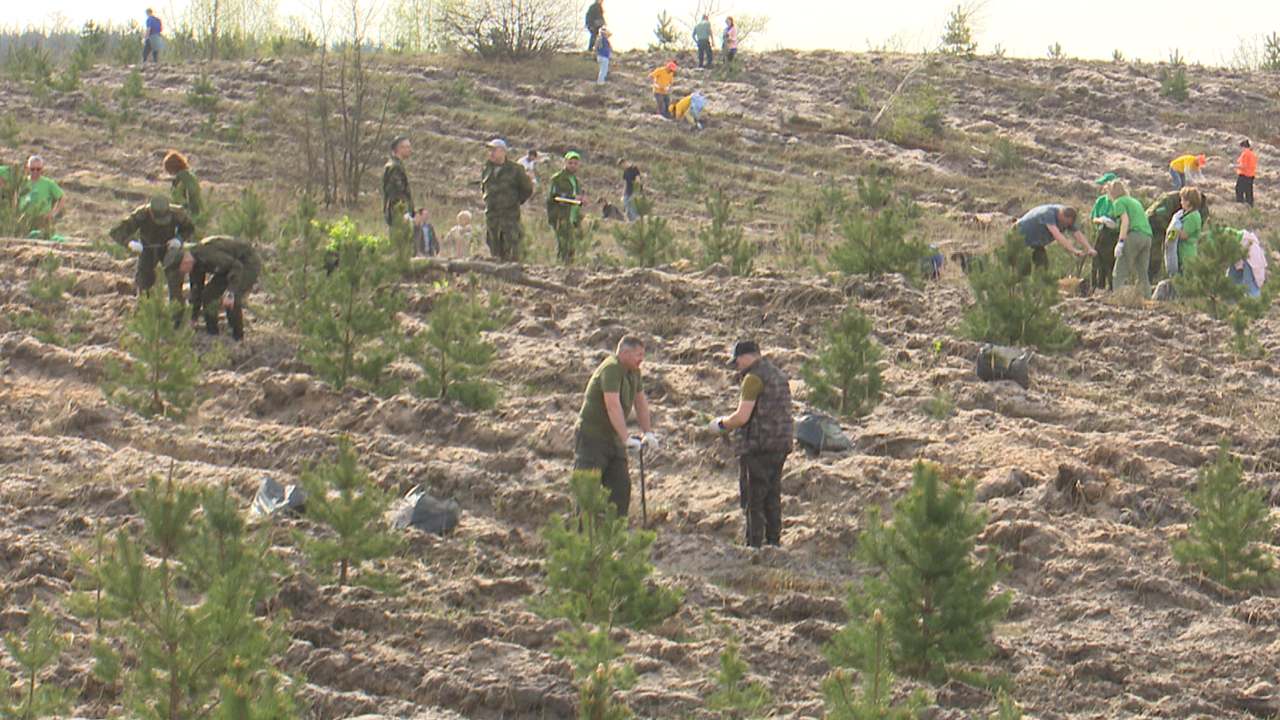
174 243
1108 222
135 246
651 440
634 443
1119 249
717 425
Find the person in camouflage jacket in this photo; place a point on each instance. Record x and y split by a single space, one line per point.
564 207
395 181
505 186
222 270
158 226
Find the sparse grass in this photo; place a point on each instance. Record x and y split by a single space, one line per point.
779 581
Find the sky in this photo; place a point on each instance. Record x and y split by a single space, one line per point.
1205 32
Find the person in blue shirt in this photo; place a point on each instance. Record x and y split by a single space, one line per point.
604 50
1046 224
153 42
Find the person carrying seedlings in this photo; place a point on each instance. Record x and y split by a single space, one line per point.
1246 170
1185 169
564 207
186 188
395 181
762 439
601 439
505 186
1133 245
1104 262
662 79
158 227
1045 225
222 270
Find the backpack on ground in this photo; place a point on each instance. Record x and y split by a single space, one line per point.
817 433
997 362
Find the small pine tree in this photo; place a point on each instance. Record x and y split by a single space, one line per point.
723 240
248 219
1055 51
647 240
936 599
36 651
162 374
183 596
1270 53
957 36
301 249
737 697
871 653
452 351
348 328
1173 78
1233 528
845 376
597 570
342 497
1013 302
1006 707
1205 284
666 32
875 232
49 286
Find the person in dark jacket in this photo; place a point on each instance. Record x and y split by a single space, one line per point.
595 21
762 438
222 269
506 187
395 181
159 227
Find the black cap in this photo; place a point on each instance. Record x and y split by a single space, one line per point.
745 347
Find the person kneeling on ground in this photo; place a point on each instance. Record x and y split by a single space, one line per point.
690 108
1252 270
222 270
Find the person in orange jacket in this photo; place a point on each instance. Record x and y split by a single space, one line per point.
662 79
1246 171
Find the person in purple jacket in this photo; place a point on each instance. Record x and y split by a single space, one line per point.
153 41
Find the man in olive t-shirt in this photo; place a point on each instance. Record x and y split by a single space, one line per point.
601 440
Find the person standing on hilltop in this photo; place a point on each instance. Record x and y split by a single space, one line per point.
186 188
506 187
1246 170
662 79
702 36
395 182
152 41
604 51
1133 246
762 438
595 21
159 227
1105 243
1046 224
729 42
1181 169
564 207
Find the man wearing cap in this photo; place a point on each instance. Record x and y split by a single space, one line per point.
158 226
395 181
44 199
222 270
564 207
1182 167
1104 222
1246 170
662 79
505 186
601 439
1046 224
762 437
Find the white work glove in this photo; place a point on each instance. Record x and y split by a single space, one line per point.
174 243
634 443
651 440
135 246
717 425
1109 222
1119 249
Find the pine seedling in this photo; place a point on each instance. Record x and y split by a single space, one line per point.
452 351
935 597
737 698
597 570
647 240
957 36
161 376
1233 529
36 651
49 286
1013 302
349 327
183 597
665 32
875 232
594 655
845 375
301 250
248 219
342 497
1206 286
869 648
1006 707
723 240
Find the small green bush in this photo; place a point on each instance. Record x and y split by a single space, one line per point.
845 375
875 230
452 351
163 371
1173 78
648 241
1013 302
723 240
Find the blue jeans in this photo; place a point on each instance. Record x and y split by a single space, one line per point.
1244 276
632 215
664 104
1178 179
604 68
704 53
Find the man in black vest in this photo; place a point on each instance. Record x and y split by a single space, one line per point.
762 439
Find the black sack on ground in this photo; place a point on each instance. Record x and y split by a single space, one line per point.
273 497
419 510
997 362
818 433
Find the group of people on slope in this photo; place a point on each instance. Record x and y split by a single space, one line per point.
1188 169
761 427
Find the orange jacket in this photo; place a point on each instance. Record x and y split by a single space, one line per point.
1247 164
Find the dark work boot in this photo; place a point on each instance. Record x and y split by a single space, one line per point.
211 324
235 318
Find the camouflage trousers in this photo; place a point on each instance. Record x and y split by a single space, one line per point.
503 236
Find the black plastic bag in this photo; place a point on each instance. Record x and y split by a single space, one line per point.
818 433
997 362
419 510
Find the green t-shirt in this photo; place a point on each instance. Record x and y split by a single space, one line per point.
610 377
752 388
4 173
1129 205
1101 207
44 193
1188 247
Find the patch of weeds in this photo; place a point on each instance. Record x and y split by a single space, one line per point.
9 131
1005 154
696 174
941 406
203 95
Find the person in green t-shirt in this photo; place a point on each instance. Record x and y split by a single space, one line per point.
601 439
1105 243
4 175
1133 246
1188 232
44 199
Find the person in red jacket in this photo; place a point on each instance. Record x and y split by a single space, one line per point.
1246 170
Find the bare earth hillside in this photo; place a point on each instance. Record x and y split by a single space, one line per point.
1083 474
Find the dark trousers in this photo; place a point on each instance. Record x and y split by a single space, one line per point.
664 104
760 488
1244 190
610 458
1040 256
206 296
149 51
595 32
1105 262
704 53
